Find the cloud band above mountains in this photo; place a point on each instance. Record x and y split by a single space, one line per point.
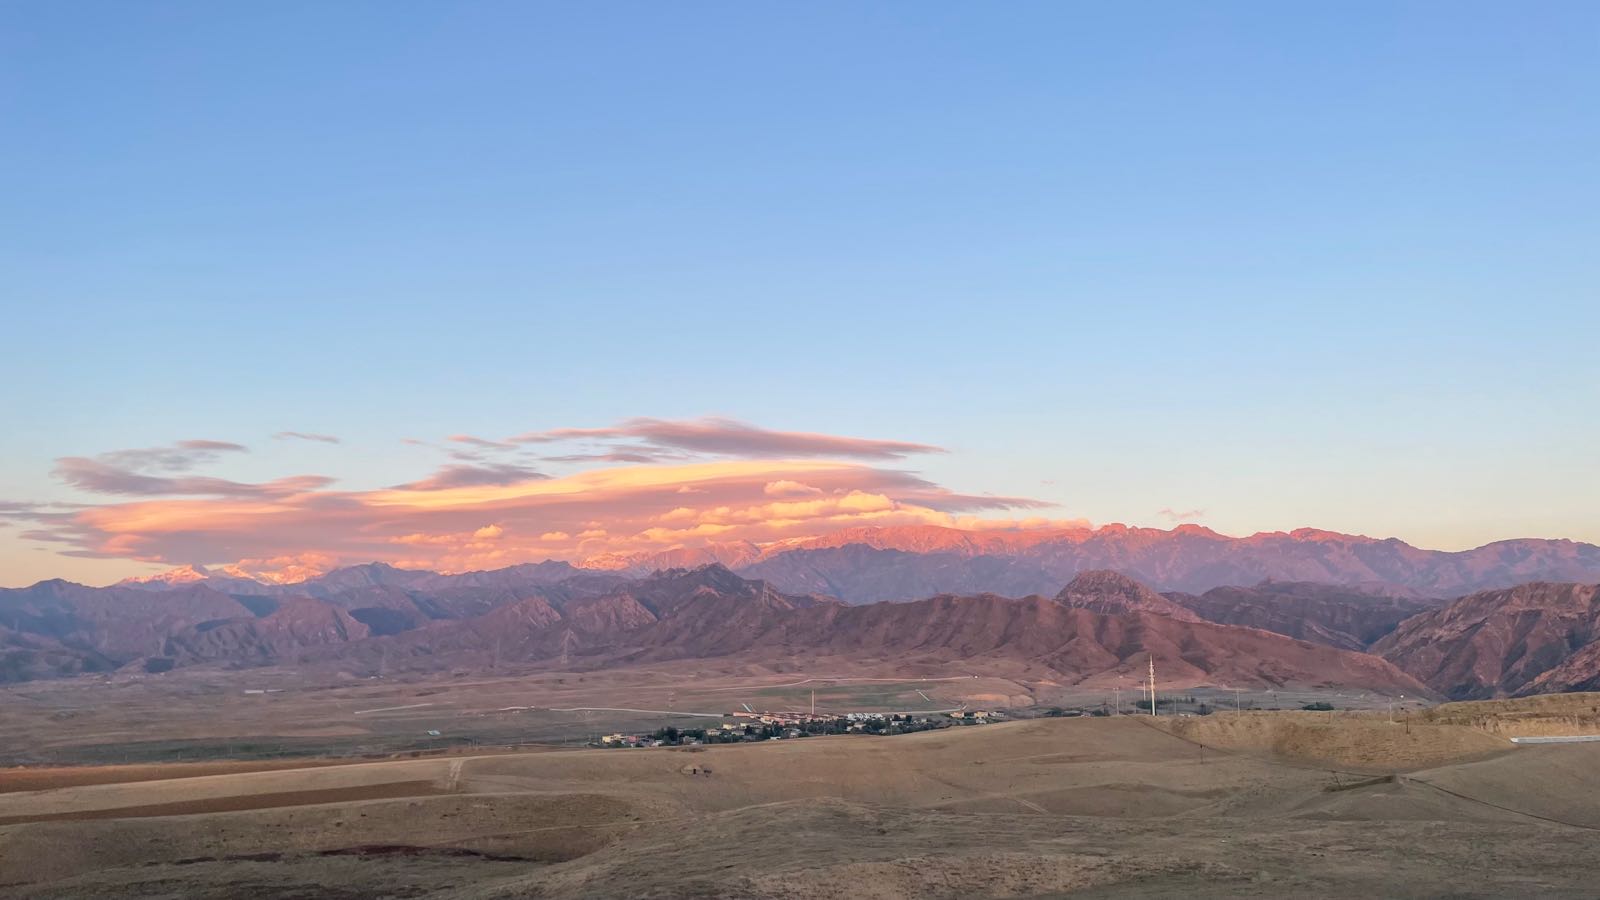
732 481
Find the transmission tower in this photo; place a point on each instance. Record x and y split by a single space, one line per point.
1153 685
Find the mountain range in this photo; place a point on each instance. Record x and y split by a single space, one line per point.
1097 629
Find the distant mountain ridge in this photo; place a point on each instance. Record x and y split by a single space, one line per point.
865 565
903 563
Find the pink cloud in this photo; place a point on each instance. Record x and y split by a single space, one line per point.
480 514
609 510
787 488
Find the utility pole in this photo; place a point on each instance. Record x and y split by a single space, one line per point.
1116 692
1153 685
1237 706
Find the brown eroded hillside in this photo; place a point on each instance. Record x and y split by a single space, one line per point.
294 625
56 627
1521 640
1079 646
1350 618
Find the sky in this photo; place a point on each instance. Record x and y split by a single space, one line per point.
518 272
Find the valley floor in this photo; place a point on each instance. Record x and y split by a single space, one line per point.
274 714
1083 807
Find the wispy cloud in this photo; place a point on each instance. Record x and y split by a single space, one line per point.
28 511
484 443
454 476
1186 515
730 437
306 436
640 455
100 477
154 471
179 457
18 509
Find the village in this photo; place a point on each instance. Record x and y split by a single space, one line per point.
749 727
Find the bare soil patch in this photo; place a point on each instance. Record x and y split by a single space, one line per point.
29 778
1357 741
384 791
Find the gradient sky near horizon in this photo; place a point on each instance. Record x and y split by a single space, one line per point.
1254 266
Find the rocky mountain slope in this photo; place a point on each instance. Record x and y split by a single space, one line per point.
1076 645
1110 593
1350 618
296 624
115 624
1528 639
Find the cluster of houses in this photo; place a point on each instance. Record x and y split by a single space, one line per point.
627 740
747 727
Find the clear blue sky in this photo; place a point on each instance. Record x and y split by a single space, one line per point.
1289 264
